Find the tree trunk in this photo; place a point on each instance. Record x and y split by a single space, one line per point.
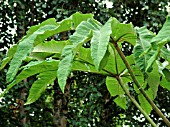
60 105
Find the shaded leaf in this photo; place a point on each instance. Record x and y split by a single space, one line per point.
39 86
153 80
166 73
164 33
165 53
9 56
165 84
82 66
153 59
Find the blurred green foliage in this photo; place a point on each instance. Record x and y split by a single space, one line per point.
88 101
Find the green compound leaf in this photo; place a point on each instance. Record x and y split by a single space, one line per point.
32 68
142 47
39 86
100 42
34 36
123 32
81 35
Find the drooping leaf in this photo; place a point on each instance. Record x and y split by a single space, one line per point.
142 46
99 43
34 37
144 103
83 31
153 58
153 80
9 56
123 32
163 34
121 101
32 68
82 34
64 66
39 86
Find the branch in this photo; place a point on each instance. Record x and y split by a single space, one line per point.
157 110
135 102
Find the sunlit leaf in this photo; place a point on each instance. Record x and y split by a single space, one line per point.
82 34
34 37
144 103
100 42
123 32
83 31
78 18
121 101
64 66
114 87
142 46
